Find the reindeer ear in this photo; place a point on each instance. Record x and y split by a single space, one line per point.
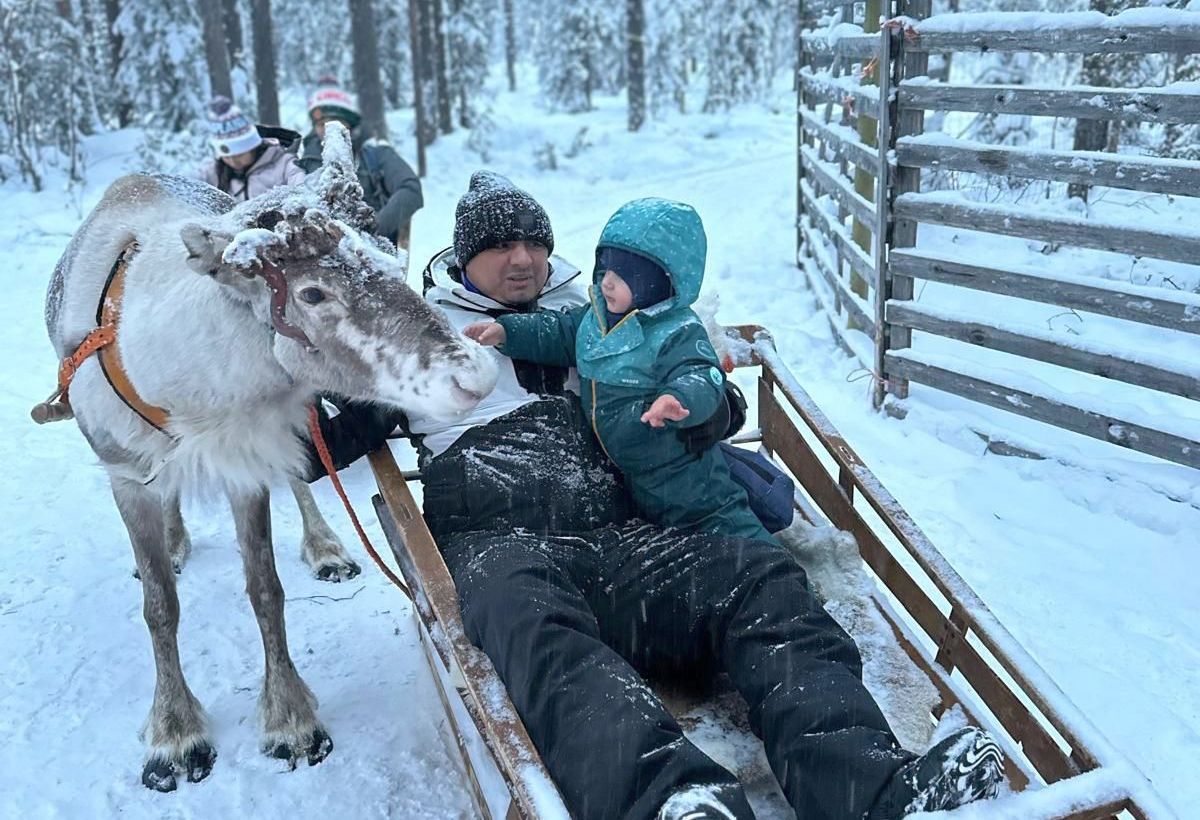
204 248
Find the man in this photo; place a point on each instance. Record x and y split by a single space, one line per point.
244 164
573 598
389 184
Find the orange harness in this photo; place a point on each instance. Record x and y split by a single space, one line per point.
101 342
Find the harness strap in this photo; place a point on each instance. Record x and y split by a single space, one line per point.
101 342
314 429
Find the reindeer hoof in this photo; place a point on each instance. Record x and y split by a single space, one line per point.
199 762
321 746
158 774
338 572
316 748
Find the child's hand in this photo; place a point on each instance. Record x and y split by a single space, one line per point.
488 334
665 408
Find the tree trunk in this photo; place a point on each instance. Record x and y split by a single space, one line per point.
234 41
421 125
441 69
264 61
364 37
116 47
510 45
635 31
215 49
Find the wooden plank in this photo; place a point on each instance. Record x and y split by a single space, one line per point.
1083 233
841 142
1126 38
1150 306
837 187
1113 430
836 283
863 46
909 121
1109 362
826 90
837 232
1114 171
1145 105
1043 751
491 710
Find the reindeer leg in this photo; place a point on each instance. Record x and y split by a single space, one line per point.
179 543
287 707
320 548
176 731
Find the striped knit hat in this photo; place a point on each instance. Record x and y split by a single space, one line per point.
231 131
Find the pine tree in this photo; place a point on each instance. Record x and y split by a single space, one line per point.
216 48
160 75
580 52
737 67
468 33
670 42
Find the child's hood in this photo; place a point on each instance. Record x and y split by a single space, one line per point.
671 234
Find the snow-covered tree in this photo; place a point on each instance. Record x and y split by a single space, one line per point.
160 75
671 43
470 25
580 51
738 35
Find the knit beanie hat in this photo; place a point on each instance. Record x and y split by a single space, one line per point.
494 211
333 101
231 131
647 280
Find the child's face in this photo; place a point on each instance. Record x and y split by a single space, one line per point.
617 296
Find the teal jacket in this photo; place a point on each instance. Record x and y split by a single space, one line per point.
622 370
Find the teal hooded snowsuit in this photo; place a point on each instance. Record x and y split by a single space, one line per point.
661 349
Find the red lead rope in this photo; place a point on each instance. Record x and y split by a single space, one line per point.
314 428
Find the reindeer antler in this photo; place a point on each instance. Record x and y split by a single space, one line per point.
338 184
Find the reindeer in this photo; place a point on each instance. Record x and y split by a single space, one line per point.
227 324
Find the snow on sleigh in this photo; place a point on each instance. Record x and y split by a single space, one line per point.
932 650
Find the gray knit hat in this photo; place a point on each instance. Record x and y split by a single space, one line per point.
494 211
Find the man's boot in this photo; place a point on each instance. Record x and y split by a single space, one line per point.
964 767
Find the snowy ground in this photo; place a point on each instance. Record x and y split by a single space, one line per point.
1084 556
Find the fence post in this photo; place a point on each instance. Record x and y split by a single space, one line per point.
889 73
904 231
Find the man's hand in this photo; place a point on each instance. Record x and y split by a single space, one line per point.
488 334
665 408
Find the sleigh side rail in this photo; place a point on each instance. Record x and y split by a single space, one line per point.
943 624
476 702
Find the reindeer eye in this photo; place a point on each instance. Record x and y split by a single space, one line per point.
314 296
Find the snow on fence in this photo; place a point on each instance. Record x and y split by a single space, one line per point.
862 102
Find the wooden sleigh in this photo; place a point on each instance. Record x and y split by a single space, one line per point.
1059 766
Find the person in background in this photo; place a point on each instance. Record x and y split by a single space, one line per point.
244 163
390 186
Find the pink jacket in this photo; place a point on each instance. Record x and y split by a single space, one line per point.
274 168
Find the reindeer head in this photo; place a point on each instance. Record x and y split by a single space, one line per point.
345 320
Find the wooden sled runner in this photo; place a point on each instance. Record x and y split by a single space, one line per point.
1059 765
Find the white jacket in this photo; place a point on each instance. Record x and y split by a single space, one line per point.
463 307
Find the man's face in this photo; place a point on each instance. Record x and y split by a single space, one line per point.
513 273
320 120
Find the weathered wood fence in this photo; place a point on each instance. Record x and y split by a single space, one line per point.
860 242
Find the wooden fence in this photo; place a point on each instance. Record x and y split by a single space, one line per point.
860 239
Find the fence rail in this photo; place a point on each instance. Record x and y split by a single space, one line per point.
850 237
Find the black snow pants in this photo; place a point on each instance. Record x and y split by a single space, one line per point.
570 622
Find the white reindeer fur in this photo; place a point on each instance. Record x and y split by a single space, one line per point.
189 346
